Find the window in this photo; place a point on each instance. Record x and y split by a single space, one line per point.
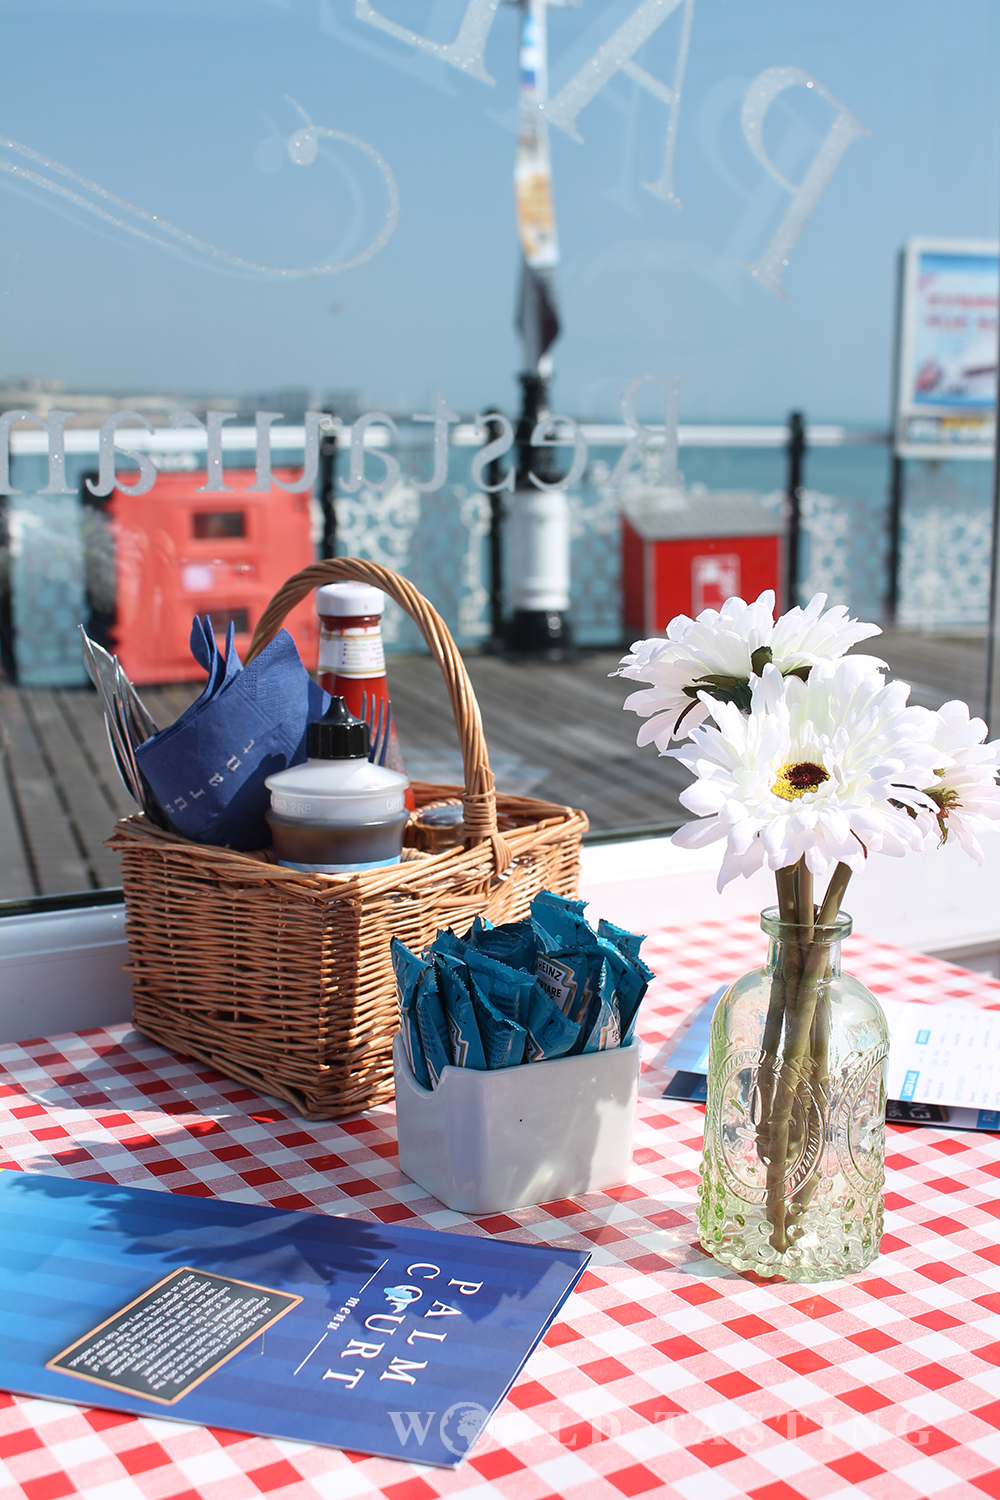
223 219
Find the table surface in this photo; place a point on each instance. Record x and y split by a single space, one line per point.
665 1372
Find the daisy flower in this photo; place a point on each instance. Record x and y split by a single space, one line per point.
719 655
964 791
822 770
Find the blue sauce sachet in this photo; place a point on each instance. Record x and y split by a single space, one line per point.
460 1017
632 976
407 968
445 941
564 906
506 988
628 943
568 965
550 1033
602 1026
432 1025
605 1029
564 976
514 944
527 991
503 1039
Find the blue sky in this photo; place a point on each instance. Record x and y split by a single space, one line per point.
180 107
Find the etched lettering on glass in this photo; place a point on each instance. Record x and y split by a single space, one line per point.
57 455
761 94
465 52
642 437
356 474
492 451
106 477
84 193
214 482
265 480
441 416
574 436
7 421
617 55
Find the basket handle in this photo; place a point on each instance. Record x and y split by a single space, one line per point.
480 801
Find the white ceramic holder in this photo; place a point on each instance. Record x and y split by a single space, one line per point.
486 1142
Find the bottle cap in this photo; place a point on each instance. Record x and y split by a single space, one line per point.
349 599
337 735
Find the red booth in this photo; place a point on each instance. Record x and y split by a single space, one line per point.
683 552
179 553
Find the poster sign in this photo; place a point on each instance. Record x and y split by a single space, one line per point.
946 375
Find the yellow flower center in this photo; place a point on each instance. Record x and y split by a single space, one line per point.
798 777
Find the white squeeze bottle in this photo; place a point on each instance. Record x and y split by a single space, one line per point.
337 814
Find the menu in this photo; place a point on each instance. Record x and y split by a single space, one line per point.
378 1338
944 1062
945 1054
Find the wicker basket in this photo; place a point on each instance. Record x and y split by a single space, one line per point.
283 980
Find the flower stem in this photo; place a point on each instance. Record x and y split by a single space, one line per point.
796 1067
804 888
804 1063
820 1040
784 879
834 895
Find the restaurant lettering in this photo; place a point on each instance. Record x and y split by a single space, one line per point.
550 431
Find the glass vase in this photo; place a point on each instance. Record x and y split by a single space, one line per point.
794 1158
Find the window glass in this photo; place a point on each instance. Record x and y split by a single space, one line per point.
223 218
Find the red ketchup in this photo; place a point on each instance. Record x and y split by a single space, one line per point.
352 657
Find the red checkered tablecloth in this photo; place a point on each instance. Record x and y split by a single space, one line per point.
664 1374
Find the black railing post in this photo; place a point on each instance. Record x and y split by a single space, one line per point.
896 481
796 454
328 493
493 477
8 657
895 535
992 694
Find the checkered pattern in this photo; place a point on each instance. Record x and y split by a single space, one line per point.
663 1373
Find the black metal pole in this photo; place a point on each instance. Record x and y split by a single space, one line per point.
100 564
328 493
796 455
534 398
896 490
8 658
540 633
895 535
992 695
493 477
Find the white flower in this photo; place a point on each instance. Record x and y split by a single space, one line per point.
964 790
723 650
822 769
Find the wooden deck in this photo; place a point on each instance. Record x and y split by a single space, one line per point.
556 731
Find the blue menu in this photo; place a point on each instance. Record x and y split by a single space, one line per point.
386 1340
689 1058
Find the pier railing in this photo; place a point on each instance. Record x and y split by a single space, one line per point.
868 532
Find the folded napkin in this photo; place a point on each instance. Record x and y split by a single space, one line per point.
207 769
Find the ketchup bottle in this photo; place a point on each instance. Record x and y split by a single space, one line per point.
352 657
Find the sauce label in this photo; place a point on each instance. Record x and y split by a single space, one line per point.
557 980
352 653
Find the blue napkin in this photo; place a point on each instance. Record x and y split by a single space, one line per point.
207 769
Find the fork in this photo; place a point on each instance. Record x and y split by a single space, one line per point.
378 717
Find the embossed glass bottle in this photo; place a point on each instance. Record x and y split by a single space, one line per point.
794 1157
